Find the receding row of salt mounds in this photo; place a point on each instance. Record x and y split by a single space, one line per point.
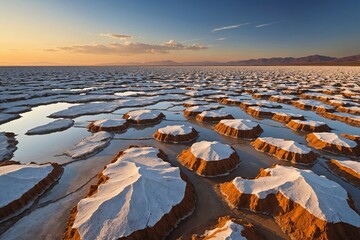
333 143
132 117
7 145
348 169
309 126
176 134
285 150
139 195
210 159
238 128
304 204
232 229
21 185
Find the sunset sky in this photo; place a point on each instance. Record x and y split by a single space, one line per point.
88 32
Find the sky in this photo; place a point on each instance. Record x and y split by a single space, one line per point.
92 32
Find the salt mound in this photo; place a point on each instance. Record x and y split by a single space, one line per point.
285 150
90 145
176 134
210 158
238 128
311 126
55 126
297 199
231 228
7 145
260 112
348 169
108 125
213 116
22 184
195 110
334 143
138 196
144 116
287 117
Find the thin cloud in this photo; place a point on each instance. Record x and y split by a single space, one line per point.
221 39
265 24
130 48
229 27
115 36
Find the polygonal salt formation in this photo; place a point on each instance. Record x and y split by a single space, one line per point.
260 112
287 117
138 196
7 145
238 128
144 116
55 126
21 184
348 169
285 150
210 158
230 228
90 145
176 134
195 110
108 125
310 126
333 143
213 116
305 205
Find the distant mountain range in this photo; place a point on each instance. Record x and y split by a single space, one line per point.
316 60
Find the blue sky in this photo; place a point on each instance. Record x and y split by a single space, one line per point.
267 28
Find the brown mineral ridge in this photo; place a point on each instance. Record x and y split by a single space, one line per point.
144 121
209 168
257 113
162 228
345 172
33 193
290 216
301 105
310 128
314 142
282 154
352 137
281 100
286 118
188 113
230 102
233 132
249 231
260 96
245 105
176 138
93 128
213 119
348 110
320 98
345 119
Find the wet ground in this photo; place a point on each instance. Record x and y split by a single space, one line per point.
46 219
